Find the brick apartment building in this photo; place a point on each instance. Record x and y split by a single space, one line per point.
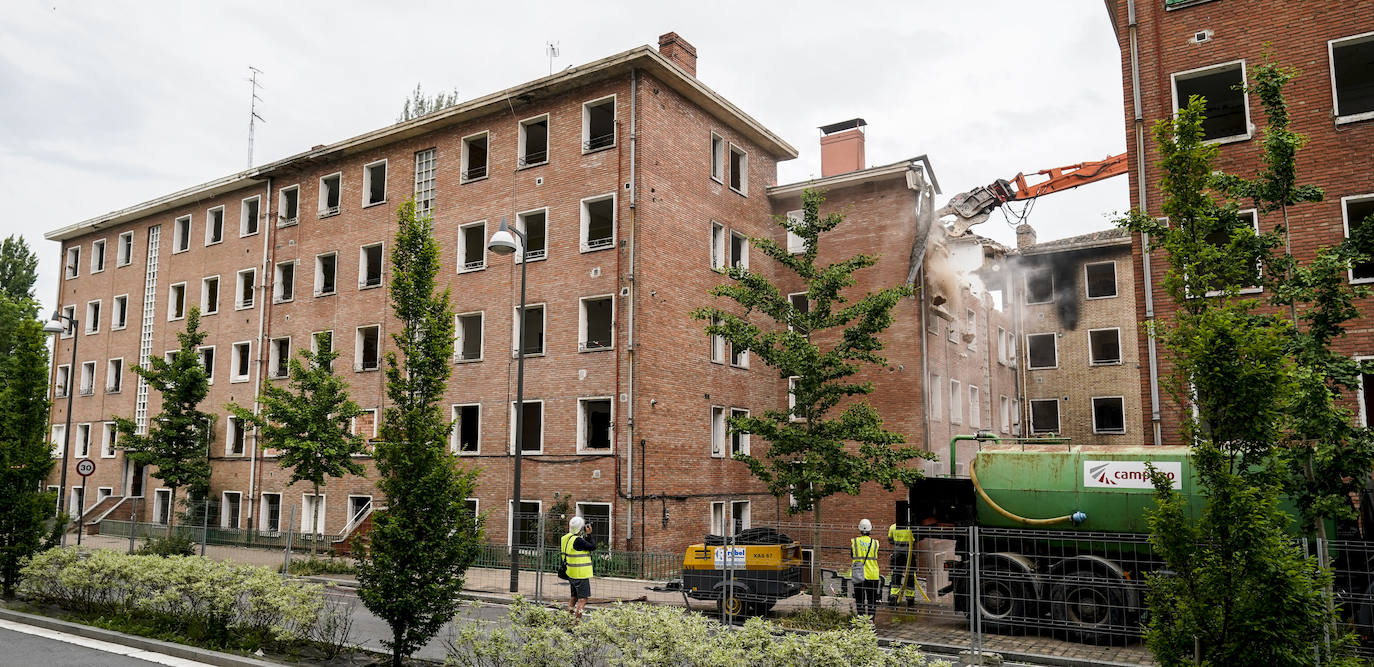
635 184
1175 48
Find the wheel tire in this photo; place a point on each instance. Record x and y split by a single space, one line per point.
1090 607
732 607
1004 598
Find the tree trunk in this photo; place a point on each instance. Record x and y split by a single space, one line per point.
171 511
816 554
397 632
315 523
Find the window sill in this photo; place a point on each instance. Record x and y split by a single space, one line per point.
175 252
119 328
719 179
1104 363
1040 303
1109 432
238 379
328 213
1354 118
743 368
114 391
741 193
176 319
208 313
607 348
521 260
589 151
209 243
95 271
368 287
465 181
374 369
120 266
604 246
473 269
290 222
320 294
460 360
244 236
528 355
277 301
460 452
587 451
106 456
92 333
531 165
1235 138
1108 296
375 203
1041 368
243 306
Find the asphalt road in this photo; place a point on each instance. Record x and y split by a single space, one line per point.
50 648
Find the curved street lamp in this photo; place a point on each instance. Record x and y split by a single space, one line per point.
58 324
503 243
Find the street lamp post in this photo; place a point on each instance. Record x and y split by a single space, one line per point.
503 243
55 326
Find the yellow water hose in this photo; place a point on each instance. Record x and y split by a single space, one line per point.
973 475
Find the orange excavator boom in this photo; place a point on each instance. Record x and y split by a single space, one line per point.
1072 176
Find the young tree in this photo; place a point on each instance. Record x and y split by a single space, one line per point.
178 437
309 423
420 104
1238 586
811 452
422 543
25 455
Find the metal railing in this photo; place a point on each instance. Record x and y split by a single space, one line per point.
600 141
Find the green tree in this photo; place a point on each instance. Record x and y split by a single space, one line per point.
25 454
1238 586
813 453
420 104
309 423
178 437
422 543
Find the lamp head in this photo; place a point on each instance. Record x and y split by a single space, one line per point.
55 324
503 241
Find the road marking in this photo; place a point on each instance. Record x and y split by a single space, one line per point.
98 645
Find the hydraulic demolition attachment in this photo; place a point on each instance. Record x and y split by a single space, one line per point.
976 205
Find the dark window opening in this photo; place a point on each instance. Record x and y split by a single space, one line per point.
474 247
271 512
1044 416
376 183
469 425
372 266
600 125
532 338
329 195
1353 63
237 437
250 216
241 359
536 236
598 314
290 206
1105 346
1109 415
527 524
210 298
369 342
596 424
281 357
247 287
1041 351
232 502
470 337
534 137
1039 286
215 233
532 428
1225 110
183 234
738 166
207 361
1357 214
326 274
600 223
476 155
599 518
286 282
739 251
1101 280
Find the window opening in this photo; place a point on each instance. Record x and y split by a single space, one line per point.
739 170
1352 67
739 442
368 352
280 357
1104 346
1227 112
1041 350
247 288
114 376
717 158
475 157
176 302
97 255
424 181
325 272
284 287
370 271
125 252
1101 279
289 206
468 429
214 225
181 234
1044 415
598 124
535 226
533 336
597 316
209 295
534 141
248 224
374 183
469 342
329 194
472 246
1109 414
531 427
595 423
598 223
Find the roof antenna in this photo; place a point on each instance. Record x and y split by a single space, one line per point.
253 116
552 51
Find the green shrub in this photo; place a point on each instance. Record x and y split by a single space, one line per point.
330 565
176 545
635 635
816 618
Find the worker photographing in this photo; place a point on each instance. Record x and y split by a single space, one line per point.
903 577
577 547
863 554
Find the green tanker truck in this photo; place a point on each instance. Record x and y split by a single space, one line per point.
1060 535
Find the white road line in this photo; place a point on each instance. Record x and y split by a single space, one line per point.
98 645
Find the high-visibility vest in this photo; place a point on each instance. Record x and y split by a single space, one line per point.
901 538
864 549
579 561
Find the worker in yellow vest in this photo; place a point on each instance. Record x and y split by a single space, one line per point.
577 547
902 576
863 554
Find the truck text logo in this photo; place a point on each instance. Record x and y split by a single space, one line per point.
1128 474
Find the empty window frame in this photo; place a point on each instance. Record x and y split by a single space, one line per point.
364 424
739 170
1001 346
1228 108
739 357
467 433
313 510
68 314
124 249
598 124
162 506
975 407
114 376
475 156
717 158
87 378
532 341
792 399
279 357
739 250
524 528
269 519
1039 285
535 226
596 322
1221 238
374 183
72 267
289 206
1104 347
284 282
249 215
718 246
93 316
719 431
1004 404
598 222
795 243
321 340
209 295
326 273
176 301
718 345
531 428
534 141
467 342
472 246
246 288
207 361
598 516
83 441
801 303
214 225
425 181
956 401
739 516
1042 350
1044 415
367 348
109 440
235 437
739 442
1011 348
59 439
1352 77
1109 414
935 398
230 509
241 362
1356 211
594 426
1099 279
331 193
181 234
370 266
97 255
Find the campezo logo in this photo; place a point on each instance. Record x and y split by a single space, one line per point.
1129 474
1099 473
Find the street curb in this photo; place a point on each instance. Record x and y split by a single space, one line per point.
133 641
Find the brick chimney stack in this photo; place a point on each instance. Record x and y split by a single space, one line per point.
678 50
1025 236
842 147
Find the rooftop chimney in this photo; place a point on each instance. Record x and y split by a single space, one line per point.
1025 236
842 147
677 49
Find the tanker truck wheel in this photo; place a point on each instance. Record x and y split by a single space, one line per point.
1090 607
1003 600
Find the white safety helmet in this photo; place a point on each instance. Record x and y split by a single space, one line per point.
575 525
865 525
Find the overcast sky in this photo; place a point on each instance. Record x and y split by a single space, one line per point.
107 104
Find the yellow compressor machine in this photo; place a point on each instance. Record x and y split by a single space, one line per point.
746 575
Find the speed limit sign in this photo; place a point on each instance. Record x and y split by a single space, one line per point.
85 467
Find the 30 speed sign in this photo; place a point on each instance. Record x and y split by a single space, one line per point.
85 467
